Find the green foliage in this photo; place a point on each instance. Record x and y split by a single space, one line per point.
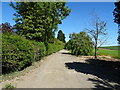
56 46
9 86
116 14
39 20
36 21
68 45
61 36
19 53
80 44
39 50
6 28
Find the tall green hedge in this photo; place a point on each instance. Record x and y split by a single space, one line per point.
39 50
19 53
54 47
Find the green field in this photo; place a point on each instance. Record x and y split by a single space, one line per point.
112 53
112 47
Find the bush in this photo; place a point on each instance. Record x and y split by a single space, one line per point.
39 50
68 45
80 44
9 86
19 53
54 47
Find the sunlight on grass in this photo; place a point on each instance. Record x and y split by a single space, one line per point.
113 53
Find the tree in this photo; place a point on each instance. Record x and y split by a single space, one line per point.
97 31
69 45
80 44
116 14
39 20
61 36
6 28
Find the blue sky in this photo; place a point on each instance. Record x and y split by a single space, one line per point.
79 18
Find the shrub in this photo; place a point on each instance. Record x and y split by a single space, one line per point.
9 86
54 47
80 44
68 45
39 50
19 53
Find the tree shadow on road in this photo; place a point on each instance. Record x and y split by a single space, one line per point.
105 70
68 53
103 84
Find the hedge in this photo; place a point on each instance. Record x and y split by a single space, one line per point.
19 53
56 46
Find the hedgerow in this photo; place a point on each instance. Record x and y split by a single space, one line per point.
54 47
39 50
19 53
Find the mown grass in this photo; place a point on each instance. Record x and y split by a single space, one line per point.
112 53
112 47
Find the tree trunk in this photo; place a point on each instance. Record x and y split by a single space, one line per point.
95 52
96 40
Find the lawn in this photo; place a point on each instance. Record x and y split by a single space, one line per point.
112 47
112 53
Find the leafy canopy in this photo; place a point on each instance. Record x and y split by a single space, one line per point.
116 14
61 36
39 20
6 28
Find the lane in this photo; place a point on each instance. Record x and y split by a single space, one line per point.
54 74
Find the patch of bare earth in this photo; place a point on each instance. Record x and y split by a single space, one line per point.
106 58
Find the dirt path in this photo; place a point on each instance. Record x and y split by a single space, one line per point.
55 73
